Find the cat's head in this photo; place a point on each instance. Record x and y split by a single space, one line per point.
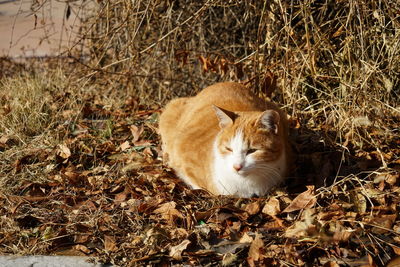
249 141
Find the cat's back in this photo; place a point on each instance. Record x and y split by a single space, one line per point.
191 115
227 89
189 111
234 95
228 95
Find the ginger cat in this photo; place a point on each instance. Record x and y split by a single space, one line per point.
226 140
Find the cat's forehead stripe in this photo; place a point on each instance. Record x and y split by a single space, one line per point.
237 141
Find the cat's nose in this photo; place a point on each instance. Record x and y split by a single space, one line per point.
237 167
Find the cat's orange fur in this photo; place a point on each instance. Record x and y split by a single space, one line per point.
197 133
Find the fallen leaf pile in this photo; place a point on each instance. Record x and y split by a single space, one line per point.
91 181
107 195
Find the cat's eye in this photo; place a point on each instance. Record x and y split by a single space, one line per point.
251 151
228 149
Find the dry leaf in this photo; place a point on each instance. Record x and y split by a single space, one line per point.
382 223
341 233
223 66
109 243
143 143
82 248
125 145
179 233
371 261
120 197
252 208
255 253
392 178
269 83
63 151
205 62
148 151
246 238
136 132
302 228
168 212
394 262
176 251
272 207
305 200
277 223
331 264
396 250
72 176
81 238
4 139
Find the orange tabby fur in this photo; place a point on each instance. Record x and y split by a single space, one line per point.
192 131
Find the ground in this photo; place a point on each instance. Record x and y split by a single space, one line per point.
81 170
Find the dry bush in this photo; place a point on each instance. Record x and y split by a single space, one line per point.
337 62
158 44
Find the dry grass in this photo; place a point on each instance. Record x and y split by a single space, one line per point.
27 104
79 155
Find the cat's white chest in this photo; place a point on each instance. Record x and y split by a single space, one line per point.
229 182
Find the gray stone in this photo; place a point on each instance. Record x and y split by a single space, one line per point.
48 261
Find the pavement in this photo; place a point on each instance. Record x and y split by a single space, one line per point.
31 29
48 261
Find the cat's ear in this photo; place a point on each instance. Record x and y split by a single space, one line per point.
225 117
270 120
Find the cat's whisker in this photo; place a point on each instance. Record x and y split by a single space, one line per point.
268 168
